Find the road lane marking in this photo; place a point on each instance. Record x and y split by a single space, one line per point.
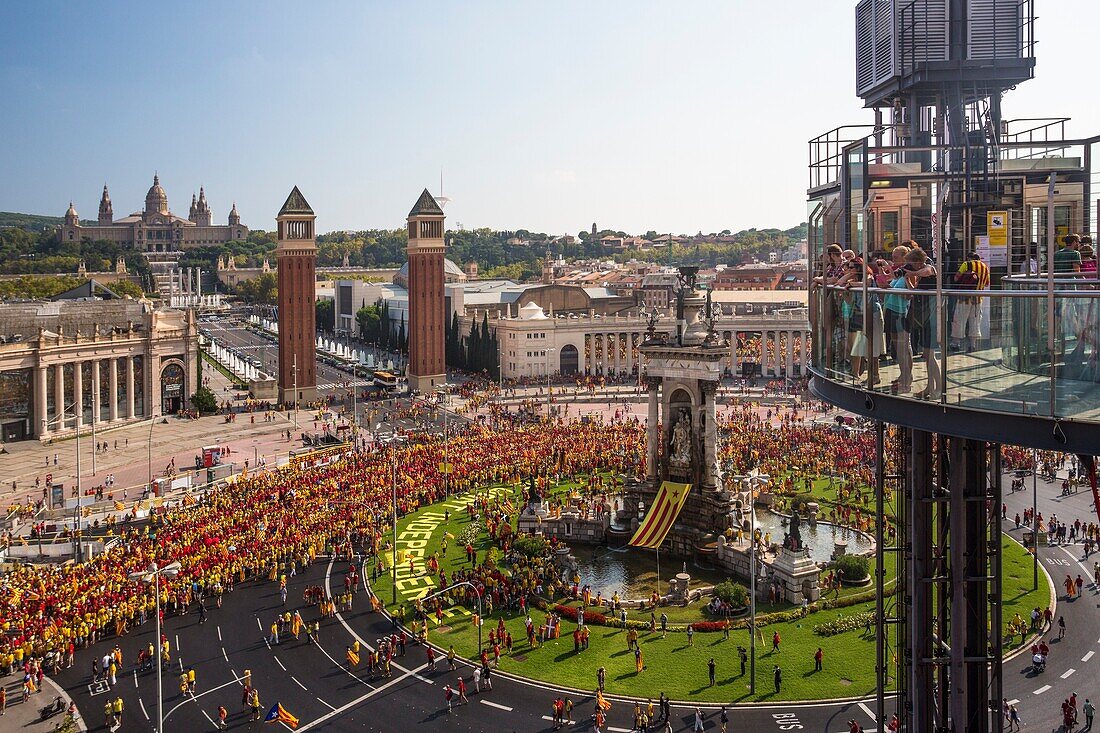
225 655
135 678
259 624
194 698
1013 702
142 704
297 682
1041 690
1087 657
220 632
279 663
496 705
177 642
1068 672
572 722
867 710
362 641
350 705
330 707
209 718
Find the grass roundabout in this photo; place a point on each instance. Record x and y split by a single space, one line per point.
672 665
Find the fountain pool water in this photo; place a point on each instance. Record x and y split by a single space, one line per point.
820 539
632 572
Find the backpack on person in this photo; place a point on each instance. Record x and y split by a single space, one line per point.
966 278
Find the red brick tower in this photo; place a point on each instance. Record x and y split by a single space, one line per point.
427 317
297 257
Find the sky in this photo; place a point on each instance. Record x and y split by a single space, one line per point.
665 116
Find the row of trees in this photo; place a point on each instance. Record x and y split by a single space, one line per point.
480 352
24 251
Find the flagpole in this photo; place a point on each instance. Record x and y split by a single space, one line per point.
658 572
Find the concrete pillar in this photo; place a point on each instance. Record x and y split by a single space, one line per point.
735 367
804 353
95 391
198 284
112 390
41 418
651 430
710 433
764 353
59 395
581 366
129 386
790 354
78 393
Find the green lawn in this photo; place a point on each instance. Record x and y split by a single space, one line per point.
672 666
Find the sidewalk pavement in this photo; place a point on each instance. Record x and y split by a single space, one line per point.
135 449
24 716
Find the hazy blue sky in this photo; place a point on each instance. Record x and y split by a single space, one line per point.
678 115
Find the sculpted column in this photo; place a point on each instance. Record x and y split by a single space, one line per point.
40 388
129 386
78 393
651 430
59 395
710 433
95 392
112 390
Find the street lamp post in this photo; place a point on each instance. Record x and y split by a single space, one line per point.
392 440
79 485
152 575
152 421
549 352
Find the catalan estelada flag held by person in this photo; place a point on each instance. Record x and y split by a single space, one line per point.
602 702
662 515
278 714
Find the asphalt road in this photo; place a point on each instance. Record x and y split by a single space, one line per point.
232 331
312 683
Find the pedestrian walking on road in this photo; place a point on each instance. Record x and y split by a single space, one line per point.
222 715
1090 710
448 695
1013 718
698 720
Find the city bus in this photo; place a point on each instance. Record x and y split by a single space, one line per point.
386 380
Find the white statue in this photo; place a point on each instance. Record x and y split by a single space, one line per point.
681 438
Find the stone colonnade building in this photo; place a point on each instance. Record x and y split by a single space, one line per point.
534 343
120 361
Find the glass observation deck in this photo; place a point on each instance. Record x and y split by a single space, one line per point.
1027 349
994 364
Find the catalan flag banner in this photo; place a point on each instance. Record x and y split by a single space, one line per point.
602 702
671 498
278 714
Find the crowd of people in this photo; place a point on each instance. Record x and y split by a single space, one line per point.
266 524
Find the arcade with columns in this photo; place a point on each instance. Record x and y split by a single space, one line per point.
93 363
534 344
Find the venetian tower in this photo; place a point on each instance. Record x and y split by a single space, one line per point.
427 317
296 255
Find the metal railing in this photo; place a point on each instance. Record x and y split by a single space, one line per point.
1029 348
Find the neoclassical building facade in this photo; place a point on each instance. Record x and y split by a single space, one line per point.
534 343
156 229
65 365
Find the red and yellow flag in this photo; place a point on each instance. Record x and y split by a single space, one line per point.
602 702
662 515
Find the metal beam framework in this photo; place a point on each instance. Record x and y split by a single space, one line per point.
948 510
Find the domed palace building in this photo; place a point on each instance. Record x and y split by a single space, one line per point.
156 229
